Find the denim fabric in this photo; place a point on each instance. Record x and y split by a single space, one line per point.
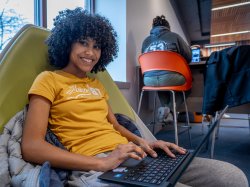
167 79
48 177
52 139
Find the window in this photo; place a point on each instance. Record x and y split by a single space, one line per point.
53 7
117 17
14 14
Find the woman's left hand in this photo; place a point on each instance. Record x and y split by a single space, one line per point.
149 147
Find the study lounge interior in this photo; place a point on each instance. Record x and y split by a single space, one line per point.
204 43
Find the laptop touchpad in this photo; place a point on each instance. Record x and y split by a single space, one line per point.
130 162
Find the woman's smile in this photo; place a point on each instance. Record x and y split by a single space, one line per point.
86 60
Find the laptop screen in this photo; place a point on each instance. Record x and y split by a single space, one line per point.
196 55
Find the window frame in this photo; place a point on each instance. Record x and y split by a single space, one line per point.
40 7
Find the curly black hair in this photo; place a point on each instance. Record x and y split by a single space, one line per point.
160 21
71 26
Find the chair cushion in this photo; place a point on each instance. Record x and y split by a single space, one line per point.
24 59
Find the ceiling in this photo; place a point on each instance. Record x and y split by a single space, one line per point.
195 19
230 20
199 22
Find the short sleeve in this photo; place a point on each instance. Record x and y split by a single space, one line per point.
44 85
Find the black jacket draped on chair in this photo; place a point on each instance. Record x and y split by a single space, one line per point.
227 79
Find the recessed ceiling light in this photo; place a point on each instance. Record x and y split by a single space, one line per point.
230 6
230 33
219 45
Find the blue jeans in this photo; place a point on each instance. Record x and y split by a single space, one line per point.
167 79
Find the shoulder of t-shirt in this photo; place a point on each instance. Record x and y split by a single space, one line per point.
46 73
47 76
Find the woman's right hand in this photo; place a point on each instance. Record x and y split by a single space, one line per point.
120 154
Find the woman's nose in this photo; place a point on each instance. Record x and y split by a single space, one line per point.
90 51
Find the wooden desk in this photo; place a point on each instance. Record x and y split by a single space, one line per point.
195 99
197 63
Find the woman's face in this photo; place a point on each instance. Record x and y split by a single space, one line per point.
83 57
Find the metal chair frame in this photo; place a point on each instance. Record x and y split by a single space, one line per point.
167 60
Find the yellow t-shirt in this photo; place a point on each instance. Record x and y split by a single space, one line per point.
78 113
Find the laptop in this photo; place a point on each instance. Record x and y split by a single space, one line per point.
156 172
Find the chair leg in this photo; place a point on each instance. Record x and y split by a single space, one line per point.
212 144
217 132
154 113
175 119
208 141
214 136
187 119
139 106
202 125
248 115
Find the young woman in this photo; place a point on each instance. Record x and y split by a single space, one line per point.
74 106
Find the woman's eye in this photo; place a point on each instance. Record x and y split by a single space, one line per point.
84 43
97 47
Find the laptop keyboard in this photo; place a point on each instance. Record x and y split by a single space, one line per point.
154 170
